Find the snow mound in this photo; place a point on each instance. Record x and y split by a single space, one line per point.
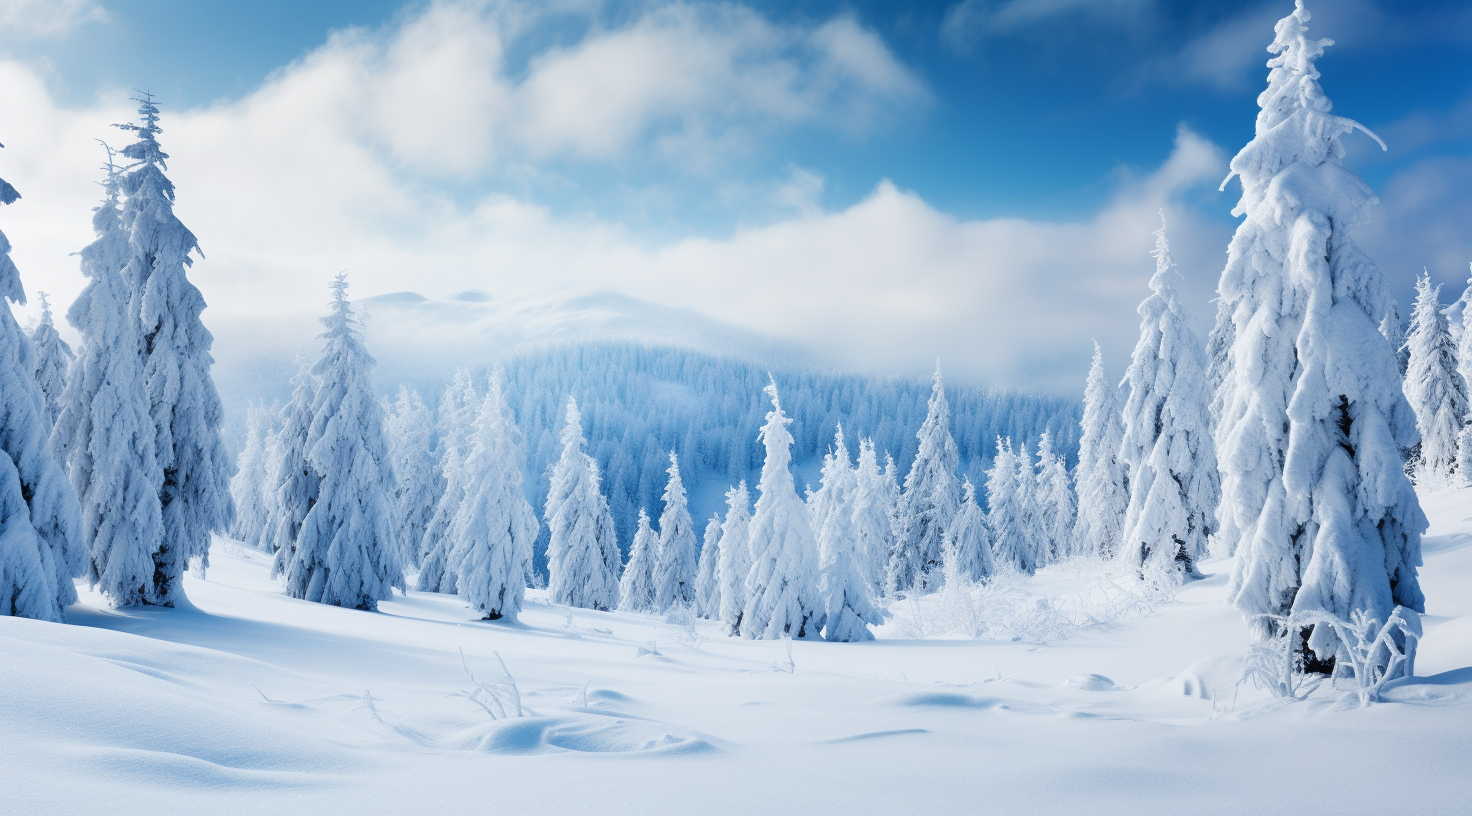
1210 678
597 735
1091 682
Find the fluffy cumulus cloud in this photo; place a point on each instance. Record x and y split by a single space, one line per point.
359 156
45 19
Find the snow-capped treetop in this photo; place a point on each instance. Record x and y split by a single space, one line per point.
1464 347
1395 334
53 356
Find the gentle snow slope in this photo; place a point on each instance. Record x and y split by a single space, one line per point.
256 702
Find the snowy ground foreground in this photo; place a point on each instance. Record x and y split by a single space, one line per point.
256 702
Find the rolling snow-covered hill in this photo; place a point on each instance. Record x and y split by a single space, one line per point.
253 702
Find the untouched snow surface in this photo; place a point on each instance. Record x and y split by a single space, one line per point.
254 702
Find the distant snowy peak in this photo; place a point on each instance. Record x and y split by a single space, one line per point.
472 327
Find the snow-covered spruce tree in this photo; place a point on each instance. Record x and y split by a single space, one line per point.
495 528
1101 477
782 588
417 485
40 542
930 500
707 583
103 430
1219 355
969 543
583 560
52 358
458 409
250 482
873 518
296 482
1174 484
735 563
1464 340
636 588
186 410
1436 391
1314 419
1030 498
843 577
1395 335
675 568
1011 529
346 554
1056 501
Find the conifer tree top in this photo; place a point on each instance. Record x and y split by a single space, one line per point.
146 150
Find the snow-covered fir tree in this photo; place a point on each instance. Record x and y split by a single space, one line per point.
1313 421
1030 497
843 582
186 410
103 430
1174 484
495 527
52 359
1219 355
968 541
707 579
675 568
296 482
1056 501
583 560
1435 388
345 553
636 589
930 500
735 562
41 548
1464 338
1008 516
458 410
1101 477
1394 333
417 485
248 487
873 518
782 588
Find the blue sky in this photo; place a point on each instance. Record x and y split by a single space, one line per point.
768 122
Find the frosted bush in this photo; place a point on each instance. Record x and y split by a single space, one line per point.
1370 655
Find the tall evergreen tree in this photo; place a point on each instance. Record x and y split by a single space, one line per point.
1314 495
458 409
968 542
103 429
932 496
52 358
873 518
1011 528
40 546
1102 478
1436 391
417 485
636 589
675 568
735 563
707 579
195 492
782 588
495 527
1174 485
1056 501
583 560
843 575
1033 516
248 487
296 482
345 553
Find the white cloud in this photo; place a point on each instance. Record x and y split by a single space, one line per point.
46 19
969 21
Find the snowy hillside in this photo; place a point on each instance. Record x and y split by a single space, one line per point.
254 702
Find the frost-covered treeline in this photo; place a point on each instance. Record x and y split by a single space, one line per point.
639 403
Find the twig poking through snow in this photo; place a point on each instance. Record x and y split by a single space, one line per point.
499 698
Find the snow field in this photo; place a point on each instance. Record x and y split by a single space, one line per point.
251 701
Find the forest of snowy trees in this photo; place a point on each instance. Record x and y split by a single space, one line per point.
783 504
